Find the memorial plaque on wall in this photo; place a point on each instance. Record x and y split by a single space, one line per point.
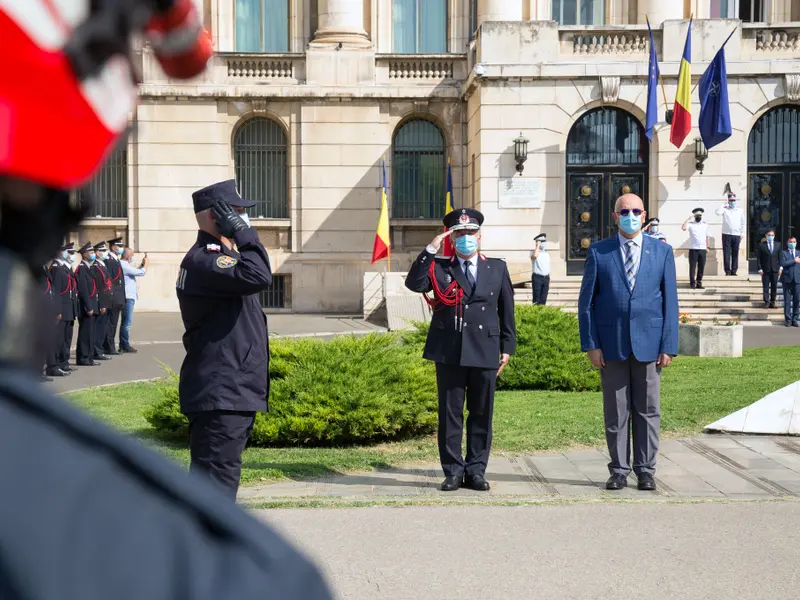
517 192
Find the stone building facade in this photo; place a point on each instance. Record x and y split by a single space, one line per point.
306 99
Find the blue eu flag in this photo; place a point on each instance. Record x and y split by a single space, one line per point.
715 111
652 89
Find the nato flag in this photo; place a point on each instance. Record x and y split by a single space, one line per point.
715 111
652 89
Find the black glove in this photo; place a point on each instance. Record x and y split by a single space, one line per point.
228 222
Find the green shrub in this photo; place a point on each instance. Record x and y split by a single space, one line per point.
348 390
548 355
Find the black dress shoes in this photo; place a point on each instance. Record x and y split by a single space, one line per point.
128 350
102 357
772 305
112 353
87 363
700 286
56 373
616 482
477 483
451 484
647 482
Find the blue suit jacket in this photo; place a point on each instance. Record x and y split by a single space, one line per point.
791 270
621 322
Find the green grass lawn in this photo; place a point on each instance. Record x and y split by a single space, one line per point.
695 392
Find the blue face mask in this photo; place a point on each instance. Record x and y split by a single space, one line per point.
467 245
733 204
792 245
770 237
92 258
64 255
630 223
119 251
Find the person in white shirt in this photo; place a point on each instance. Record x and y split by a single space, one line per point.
653 230
732 233
698 247
540 278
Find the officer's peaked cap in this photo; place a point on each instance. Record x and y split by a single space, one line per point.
100 247
115 242
68 247
542 237
224 190
654 221
87 247
698 211
463 218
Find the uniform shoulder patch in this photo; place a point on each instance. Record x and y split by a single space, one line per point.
213 248
226 262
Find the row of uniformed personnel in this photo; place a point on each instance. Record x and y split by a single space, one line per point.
94 295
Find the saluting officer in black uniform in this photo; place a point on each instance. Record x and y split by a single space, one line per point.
64 297
471 338
224 379
114 269
105 296
87 513
88 307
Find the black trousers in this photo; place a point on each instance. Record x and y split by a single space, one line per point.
697 266
791 302
541 287
112 321
769 282
51 358
454 382
64 335
86 331
216 441
730 253
100 333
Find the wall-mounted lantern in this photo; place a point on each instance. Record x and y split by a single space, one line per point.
700 153
520 152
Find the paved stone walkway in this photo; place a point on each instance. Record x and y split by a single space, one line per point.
704 467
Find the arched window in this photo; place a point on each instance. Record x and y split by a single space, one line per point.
260 162
108 191
418 171
262 25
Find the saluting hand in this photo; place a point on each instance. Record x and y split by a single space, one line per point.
437 241
504 358
228 221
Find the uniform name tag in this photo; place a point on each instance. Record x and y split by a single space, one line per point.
213 247
226 262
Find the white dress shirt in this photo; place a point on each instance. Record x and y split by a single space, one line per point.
541 264
636 250
732 220
698 235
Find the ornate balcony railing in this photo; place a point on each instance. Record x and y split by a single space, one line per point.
423 69
606 42
243 68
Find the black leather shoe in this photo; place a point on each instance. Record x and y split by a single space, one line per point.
477 483
616 482
89 363
647 482
451 484
56 373
700 286
772 305
102 357
128 350
112 353
795 324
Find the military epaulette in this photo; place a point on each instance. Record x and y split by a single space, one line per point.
213 248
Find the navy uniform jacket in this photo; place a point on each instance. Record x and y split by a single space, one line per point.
87 290
488 328
227 353
114 270
104 285
64 295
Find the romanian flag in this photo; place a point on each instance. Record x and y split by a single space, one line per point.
382 247
682 115
448 208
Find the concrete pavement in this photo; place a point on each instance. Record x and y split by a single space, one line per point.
657 551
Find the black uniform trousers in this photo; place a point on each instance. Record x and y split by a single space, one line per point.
112 321
697 266
100 333
87 326
453 382
730 253
64 341
216 441
541 287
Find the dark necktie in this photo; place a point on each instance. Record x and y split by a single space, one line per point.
470 278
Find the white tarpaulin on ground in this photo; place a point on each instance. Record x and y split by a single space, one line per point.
778 413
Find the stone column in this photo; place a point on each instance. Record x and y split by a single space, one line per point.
341 21
499 10
659 11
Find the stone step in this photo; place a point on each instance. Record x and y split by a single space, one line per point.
774 316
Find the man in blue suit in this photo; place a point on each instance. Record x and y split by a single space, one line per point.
790 278
628 316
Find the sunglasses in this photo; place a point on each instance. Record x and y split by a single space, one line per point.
626 211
